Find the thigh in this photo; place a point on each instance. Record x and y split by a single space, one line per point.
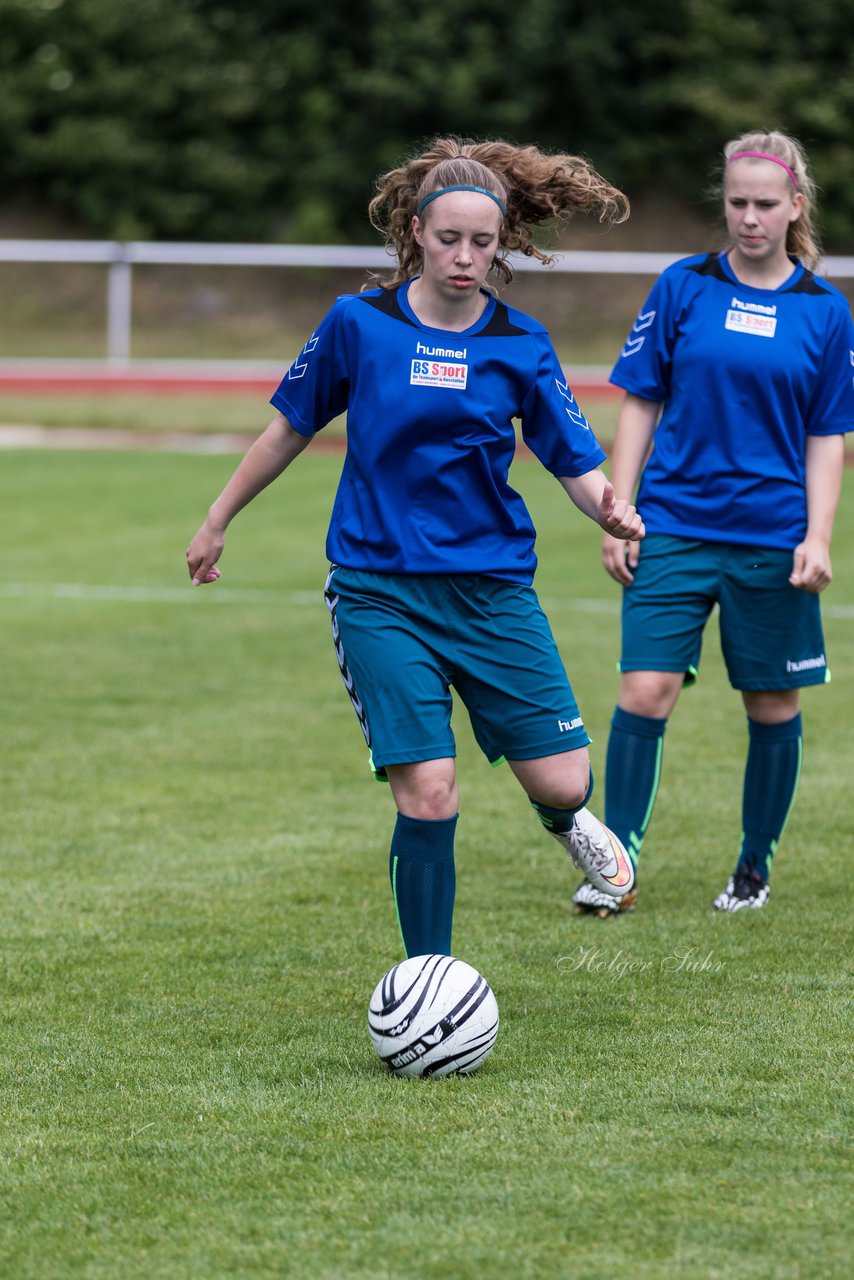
665 609
511 677
398 683
771 633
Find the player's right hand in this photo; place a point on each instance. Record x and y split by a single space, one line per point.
620 558
203 553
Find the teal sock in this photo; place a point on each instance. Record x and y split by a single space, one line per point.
559 821
770 783
632 775
423 882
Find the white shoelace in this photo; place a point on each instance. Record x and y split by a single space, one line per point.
599 856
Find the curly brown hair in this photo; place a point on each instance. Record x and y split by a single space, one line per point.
537 188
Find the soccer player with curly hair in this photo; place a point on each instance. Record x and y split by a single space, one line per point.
431 549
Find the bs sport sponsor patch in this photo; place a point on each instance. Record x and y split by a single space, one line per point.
751 317
438 373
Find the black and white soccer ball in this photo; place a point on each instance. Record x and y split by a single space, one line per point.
433 1016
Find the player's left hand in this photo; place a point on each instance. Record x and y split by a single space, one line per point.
618 517
203 553
811 568
212 575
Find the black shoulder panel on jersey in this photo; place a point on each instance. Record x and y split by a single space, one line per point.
387 302
500 324
710 266
807 284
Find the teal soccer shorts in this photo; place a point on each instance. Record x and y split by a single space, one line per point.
771 633
403 641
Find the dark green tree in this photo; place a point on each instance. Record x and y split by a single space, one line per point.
269 119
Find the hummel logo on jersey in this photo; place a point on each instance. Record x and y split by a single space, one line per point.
448 352
754 306
300 365
571 407
564 726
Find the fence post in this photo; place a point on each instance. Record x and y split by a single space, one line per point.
119 305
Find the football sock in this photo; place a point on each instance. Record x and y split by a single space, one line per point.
632 775
423 882
770 783
559 821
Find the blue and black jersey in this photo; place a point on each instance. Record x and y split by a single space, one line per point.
745 375
430 435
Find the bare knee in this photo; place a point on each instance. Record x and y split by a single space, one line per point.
570 795
650 693
426 790
559 781
771 706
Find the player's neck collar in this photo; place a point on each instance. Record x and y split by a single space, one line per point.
786 283
479 324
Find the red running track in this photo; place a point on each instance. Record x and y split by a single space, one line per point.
47 381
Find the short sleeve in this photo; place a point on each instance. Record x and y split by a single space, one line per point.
316 387
645 363
831 411
553 424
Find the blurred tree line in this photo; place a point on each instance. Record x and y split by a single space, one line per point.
269 119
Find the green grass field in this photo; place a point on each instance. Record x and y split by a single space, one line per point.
152 414
195 910
162 414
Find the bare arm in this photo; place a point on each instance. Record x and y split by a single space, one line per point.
811 567
273 451
635 429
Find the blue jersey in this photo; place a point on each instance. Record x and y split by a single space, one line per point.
745 375
430 436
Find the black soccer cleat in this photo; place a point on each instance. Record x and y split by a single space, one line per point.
744 889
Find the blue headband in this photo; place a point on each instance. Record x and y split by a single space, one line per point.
463 186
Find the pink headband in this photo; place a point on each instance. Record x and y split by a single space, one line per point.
763 155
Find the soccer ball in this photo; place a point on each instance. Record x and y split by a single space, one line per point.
432 1016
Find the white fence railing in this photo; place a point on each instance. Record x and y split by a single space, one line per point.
121 256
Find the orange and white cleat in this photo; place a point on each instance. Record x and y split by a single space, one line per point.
598 854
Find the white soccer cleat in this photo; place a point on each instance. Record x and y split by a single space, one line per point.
598 854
